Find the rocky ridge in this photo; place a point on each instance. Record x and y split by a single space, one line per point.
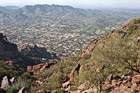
40 67
35 51
7 50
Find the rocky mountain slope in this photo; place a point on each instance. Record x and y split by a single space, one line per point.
108 64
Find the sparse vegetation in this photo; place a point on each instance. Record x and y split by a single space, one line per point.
8 70
20 83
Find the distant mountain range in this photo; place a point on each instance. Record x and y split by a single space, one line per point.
57 12
54 12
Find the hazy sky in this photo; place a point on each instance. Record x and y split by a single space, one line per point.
77 3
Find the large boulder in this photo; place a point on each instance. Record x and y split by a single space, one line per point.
84 85
136 79
109 79
65 85
5 83
40 67
43 91
138 38
88 91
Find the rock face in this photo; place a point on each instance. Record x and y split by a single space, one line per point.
7 50
4 83
40 67
138 39
35 51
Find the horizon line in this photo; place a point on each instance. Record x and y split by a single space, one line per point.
21 6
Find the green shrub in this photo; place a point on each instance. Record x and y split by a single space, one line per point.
20 83
26 75
74 89
131 28
55 82
137 21
62 90
86 56
8 70
33 89
86 88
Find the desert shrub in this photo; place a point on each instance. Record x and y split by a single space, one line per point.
86 56
137 21
86 88
62 90
20 83
74 89
26 75
75 58
8 70
34 89
131 28
54 82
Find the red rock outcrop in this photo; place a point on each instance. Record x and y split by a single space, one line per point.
40 67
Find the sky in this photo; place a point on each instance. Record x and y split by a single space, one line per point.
77 3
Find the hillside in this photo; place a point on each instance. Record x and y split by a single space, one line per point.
115 55
61 29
